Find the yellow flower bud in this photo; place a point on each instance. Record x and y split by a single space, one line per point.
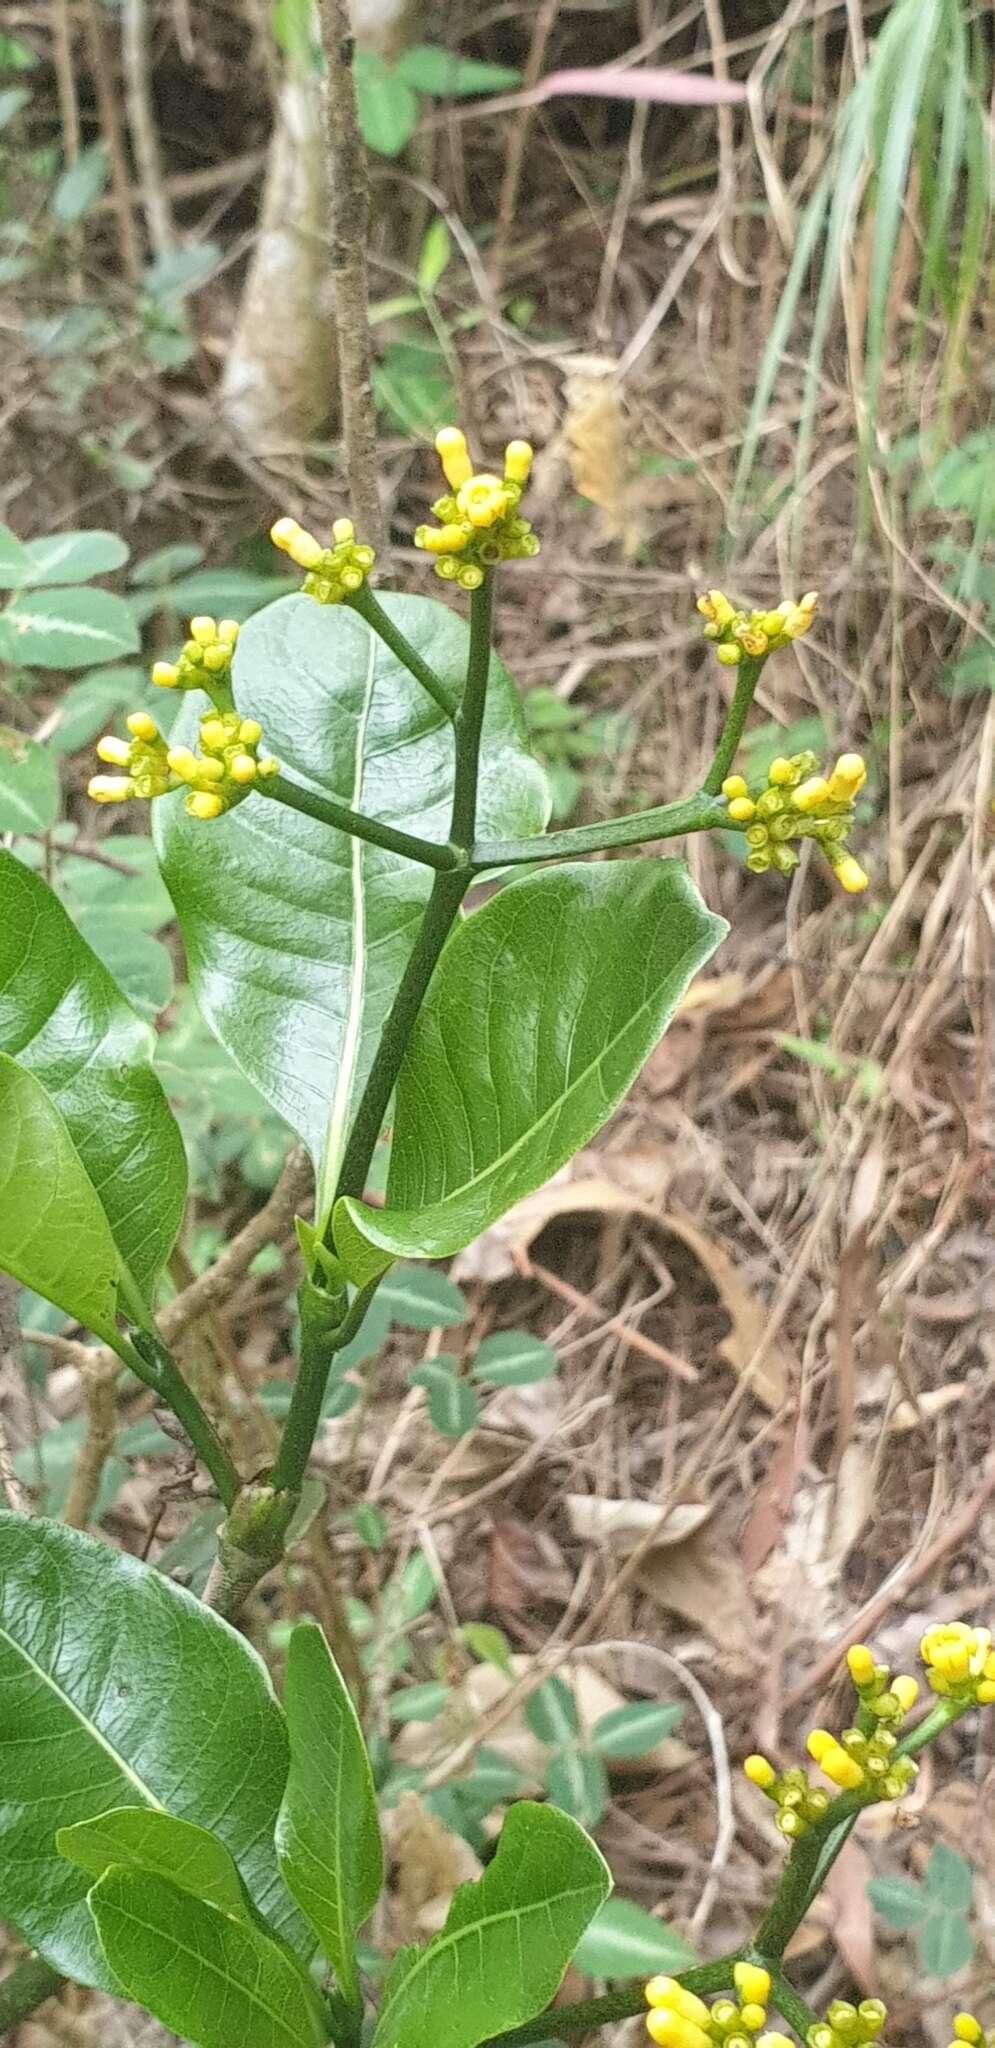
666 1991
212 732
250 732
861 1662
834 1760
517 461
114 750
210 769
302 547
183 763
228 630
850 875
482 499
752 1983
906 1691
986 1692
773 2040
735 785
670 2030
753 2017
848 776
342 530
243 768
780 773
203 630
809 795
204 804
165 674
143 727
760 1772
442 540
966 2027
268 765
451 448
109 789
729 653
217 658
742 809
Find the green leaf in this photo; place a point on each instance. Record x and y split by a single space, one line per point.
220 1982
949 1879
328 1837
422 1298
452 1404
490 1644
436 249
141 1838
576 1781
577 972
66 628
625 1941
512 1358
945 1943
46 1466
80 184
413 384
88 706
297 935
119 1688
74 557
12 99
386 104
444 75
506 1942
898 1900
632 1730
54 1235
62 1017
29 784
551 1713
14 560
420 1702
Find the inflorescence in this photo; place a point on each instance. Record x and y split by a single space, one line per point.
680 2019
759 633
333 574
479 522
960 1664
797 802
204 663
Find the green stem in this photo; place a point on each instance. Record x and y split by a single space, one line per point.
150 1361
562 2021
370 609
318 1348
469 720
28 1986
786 2001
328 811
698 813
747 678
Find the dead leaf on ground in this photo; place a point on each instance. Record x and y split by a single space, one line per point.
620 1525
705 1583
429 1862
421 1743
525 1566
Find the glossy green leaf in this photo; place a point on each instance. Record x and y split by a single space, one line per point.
142 1838
62 1016
66 628
513 1358
623 1940
74 557
328 1835
539 1016
54 1235
217 1981
29 784
297 935
506 1942
632 1730
119 1688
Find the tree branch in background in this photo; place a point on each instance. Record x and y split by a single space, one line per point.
350 216
113 136
142 126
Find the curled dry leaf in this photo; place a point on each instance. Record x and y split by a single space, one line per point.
621 1525
703 1581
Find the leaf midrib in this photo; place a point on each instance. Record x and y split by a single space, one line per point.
148 1796
204 1962
352 1036
472 1929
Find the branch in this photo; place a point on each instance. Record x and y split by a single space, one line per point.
364 602
350 220
141 122
699 813
747 678
328 811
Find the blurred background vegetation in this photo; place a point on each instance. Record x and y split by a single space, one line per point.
713 1396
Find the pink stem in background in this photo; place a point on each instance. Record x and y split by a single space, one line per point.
666 88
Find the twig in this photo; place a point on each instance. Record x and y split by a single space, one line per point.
350 217
10 1485
98 1442
515 153
110 123
141 122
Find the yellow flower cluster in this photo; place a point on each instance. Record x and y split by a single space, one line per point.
848 2026
882 1697
799 1803
479 522
333 574
679 2019
216 779
967 2029
757 633
960 1663
868 1762
860 1759
798 803
205 661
